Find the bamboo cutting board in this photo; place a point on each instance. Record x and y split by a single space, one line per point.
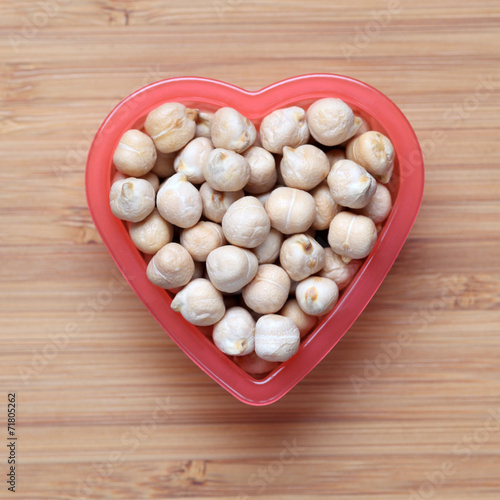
407 406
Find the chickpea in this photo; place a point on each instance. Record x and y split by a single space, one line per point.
201 239
268 291
164 166
230 268
317 296
284 127
150 177
350 184
200 303
276 338
199 270
179 202
379 207
263 172
192 158
171 267
338 270
331 121
326 207
301 256
246 223
203 124
334 155
304 167
135 154
234 334
255 366
264 196
305 322
352 236
291 210
231 130
152 233
226 170
132 199
267 252
375 152
216 203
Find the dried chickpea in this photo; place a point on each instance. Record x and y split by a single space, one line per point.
200 239
316 295
326 207
263 172
338 270
379 207
179 202
203 124
231 130
268 291
304 167
352 236
234 334
290 210
304 322
331 121
171 126
192 158
152 233
132 199
253 365
334 155
301 256
135 154
246 223
267 252
171 267
164 166
226 170
200 303
276 338
216 203
284 127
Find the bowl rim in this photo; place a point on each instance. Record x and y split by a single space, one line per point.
130 112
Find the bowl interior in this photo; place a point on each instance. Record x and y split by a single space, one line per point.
406 188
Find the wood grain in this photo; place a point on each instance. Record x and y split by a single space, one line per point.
424 424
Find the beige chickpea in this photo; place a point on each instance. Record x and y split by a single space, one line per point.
216 203
263 172
350 184
171 126
230 268
226 170
263 197
352 236
135 154
316 295
201 239
331 121
291 210
234 334
305 322
132 199
152 233
375 152
246 223
304 167
203 124
268 291
301 256
179 202
200 303
326 207
334 155
171 267
379 207
267 252
199 270
284 127
338 270
276 338
192 158
231 130
164 166
150 177
255 366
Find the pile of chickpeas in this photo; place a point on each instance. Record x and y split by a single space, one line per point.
254 231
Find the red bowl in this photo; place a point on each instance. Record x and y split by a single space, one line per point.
406 187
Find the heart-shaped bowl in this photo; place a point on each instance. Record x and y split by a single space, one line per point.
205 94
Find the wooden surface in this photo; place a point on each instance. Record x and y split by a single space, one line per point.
420 421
